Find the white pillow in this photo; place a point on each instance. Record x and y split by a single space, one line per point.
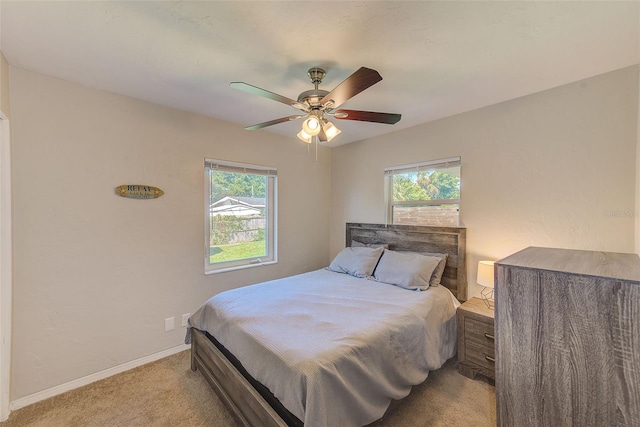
407 270
358 262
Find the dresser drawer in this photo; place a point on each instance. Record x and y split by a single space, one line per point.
479 332
480 354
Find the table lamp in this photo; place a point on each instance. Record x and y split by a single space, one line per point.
485 278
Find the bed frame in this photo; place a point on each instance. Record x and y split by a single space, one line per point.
237 393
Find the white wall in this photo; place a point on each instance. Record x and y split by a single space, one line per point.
5 240
5 105
556 168
95 273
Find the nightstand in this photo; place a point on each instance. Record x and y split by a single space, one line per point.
476 349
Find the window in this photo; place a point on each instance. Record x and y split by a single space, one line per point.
424 193
240 215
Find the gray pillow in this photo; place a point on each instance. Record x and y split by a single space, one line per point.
407 270
436 277
358 262
355 244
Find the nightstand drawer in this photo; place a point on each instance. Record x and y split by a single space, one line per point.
479 332
480 354
476 346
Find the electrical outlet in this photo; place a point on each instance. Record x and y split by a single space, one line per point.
169 324
185 318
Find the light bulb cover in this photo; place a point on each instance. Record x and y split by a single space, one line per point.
311 126
330 130
303 136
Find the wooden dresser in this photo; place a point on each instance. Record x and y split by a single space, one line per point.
567 338
475 339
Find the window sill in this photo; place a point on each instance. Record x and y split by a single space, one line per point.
238 267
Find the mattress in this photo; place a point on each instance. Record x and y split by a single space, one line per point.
332 348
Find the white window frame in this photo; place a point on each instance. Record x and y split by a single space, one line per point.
271 200
412 168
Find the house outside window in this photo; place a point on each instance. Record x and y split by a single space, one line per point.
240 215
426 193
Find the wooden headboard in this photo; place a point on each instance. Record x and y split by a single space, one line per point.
417 238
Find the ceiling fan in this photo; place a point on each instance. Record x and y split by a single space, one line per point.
316 104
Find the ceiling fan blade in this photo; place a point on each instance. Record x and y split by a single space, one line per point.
368 116
272 122
266 94
353 85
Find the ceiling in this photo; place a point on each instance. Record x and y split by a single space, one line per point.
436 58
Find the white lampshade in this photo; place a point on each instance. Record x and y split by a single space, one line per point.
330 130
311 126
302 135
485 273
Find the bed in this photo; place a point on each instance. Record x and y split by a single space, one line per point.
383 339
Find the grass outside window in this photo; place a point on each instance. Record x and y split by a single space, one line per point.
231 252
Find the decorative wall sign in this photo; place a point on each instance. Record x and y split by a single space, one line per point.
139 191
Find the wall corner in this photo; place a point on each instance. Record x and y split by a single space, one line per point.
637 189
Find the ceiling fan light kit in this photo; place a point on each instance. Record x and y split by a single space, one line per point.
317 103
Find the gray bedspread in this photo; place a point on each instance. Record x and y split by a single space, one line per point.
333 348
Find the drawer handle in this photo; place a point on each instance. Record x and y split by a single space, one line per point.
490 359
491 337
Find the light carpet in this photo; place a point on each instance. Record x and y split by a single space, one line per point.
168 393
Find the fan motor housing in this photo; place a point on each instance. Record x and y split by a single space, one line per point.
312 97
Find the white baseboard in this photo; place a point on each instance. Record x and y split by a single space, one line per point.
62 388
